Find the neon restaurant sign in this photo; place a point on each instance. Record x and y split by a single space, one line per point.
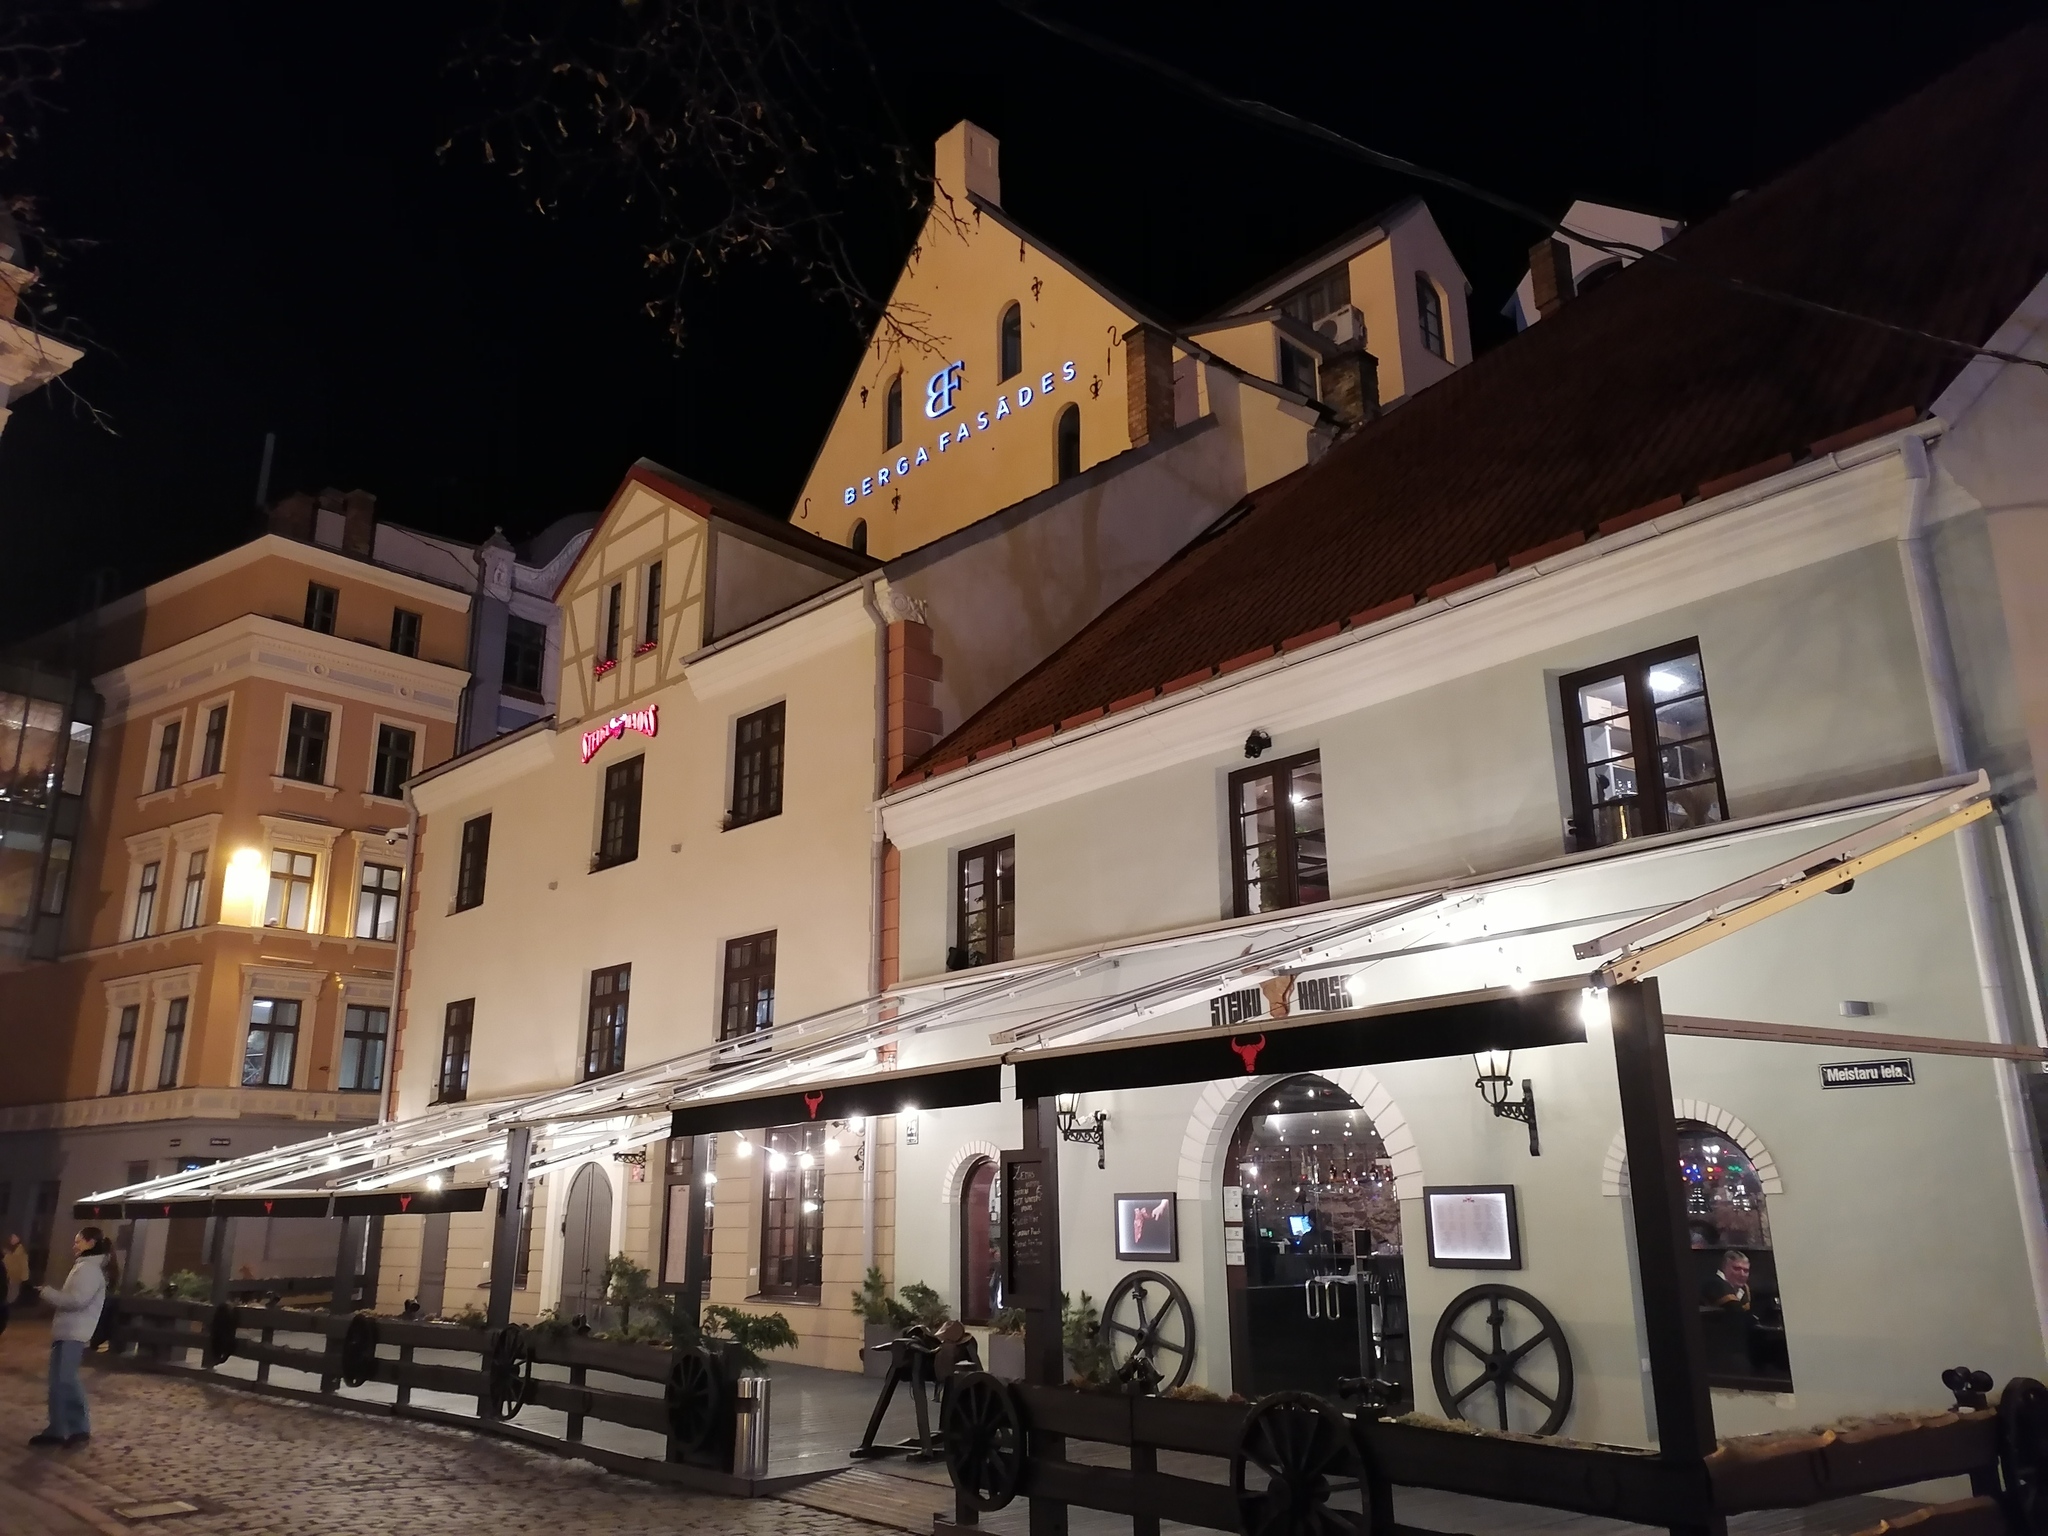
645 721
939 391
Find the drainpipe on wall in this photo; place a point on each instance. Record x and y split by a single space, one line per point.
405 904
1938 664
876 840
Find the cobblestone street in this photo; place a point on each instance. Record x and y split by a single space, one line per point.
258 1465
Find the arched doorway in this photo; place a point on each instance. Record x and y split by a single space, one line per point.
586 1243
1734 1268
979 1226
1322 1244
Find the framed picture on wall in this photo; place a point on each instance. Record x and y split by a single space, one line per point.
1147 1227
1472 1226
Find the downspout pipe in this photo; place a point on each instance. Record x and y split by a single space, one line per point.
1976 857
404 948
876 842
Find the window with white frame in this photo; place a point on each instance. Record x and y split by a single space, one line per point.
192 905
166 773
290 903
214 744
393 764
270 1054
364 1031
377 902
173 1054
305 744
145 901
120 1078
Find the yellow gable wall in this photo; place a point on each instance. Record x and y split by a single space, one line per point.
643 526
964 271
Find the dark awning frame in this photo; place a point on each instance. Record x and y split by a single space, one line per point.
392 1202
1550 1013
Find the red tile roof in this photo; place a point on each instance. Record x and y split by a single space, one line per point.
1657 386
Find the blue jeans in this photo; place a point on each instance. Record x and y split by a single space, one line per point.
67 1393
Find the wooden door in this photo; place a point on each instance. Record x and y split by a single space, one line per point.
586 1243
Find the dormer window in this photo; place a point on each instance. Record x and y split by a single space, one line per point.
892 414
1429 310
1010 344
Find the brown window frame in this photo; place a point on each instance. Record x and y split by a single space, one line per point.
1289 869
794 1269
405 632
167 754
391 766
618 826
145 900
368 1065
1004 943
1431 323
650 615
614 616
526 641
213 753
171 1058
305 745
1654 805
379 888
604 1027
287 1018
474 863
323 607
458 1027
126 1036
755 976
757 766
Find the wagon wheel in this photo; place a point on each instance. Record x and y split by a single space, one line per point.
358 1349
982 1432
1147 1319
220 1332
696 1398
1503 1366
1307 1450
2023 1454
508 1369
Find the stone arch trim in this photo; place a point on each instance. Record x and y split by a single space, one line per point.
1223 1103
1614 1168
970 1152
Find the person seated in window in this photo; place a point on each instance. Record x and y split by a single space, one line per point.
1727 1288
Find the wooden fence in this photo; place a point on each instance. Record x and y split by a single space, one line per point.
693 1411
1288 1455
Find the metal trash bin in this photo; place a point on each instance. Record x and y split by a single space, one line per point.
750 1427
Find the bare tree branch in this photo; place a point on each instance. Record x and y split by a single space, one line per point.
732 130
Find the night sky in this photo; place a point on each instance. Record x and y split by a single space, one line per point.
277 247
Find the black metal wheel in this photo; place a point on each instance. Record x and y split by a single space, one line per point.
1150 1330
1307 1450
1516 1349
358 1350
981 1429
2023 1454
696 1398
220 1332
508 1370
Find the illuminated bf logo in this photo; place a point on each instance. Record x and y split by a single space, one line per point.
939 389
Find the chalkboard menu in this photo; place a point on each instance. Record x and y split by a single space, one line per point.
1026 1275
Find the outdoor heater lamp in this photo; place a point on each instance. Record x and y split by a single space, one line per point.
1496 1077
1072 1130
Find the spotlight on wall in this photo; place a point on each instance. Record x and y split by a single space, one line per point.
1071 1129
1496 1077
1256 743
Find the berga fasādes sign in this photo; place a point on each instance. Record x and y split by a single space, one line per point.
1896 1072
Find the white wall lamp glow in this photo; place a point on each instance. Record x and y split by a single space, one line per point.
1069 1105
1496 1078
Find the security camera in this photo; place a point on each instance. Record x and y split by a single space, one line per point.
391 838
1256 743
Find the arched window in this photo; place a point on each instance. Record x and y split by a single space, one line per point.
1067 435
1429 308
1010 344
1734 1267
892 414
858 539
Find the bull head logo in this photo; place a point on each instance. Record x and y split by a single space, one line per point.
404 1204
1248 1051
266 1206
812 1101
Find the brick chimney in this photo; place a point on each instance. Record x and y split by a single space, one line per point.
1148 382
967 160
292 518
1350 385
1550 273
359 523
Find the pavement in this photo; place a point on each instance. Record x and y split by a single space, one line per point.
251 1466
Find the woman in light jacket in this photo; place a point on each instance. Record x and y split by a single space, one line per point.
77 1304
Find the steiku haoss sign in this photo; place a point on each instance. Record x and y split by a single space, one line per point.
1897 1072
645 721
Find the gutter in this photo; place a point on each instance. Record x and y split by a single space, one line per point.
877 843
1980 901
